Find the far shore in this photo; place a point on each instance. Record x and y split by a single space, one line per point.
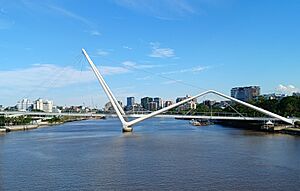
43 124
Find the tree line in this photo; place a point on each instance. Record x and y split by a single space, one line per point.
287 107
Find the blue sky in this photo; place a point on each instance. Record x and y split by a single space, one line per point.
165 48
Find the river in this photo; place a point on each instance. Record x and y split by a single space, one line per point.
161 154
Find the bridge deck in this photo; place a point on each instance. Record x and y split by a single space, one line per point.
18 113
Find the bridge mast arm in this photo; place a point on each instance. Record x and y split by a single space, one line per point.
110 92
105 88
289 121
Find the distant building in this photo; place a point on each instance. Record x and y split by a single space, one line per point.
159 102
48 106
152 106
56 110
24 105
187 106
43 105
179 99
245 93
130 101
38 104
72 109
145 101
167 103
109 107
11 108
209 102
296 94
223 104
274 96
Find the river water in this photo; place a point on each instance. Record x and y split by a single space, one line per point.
161 154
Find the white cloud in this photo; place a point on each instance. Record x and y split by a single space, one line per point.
131 64
72 15
95 33
58 82
158 52
171 82
287 89
144 78
101 52
188 70
111 70
49 75
126 47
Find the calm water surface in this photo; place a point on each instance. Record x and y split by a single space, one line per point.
159 155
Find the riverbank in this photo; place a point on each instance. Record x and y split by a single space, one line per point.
279 128
43 124
256 126
291 131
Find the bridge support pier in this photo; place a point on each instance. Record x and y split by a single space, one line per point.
127 129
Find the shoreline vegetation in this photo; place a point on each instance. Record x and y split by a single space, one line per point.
27 123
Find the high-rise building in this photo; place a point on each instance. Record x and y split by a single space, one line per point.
24 105
245 93
130 101
38 105
145 101
43 105
158 101
187 106
152 106
179 99
48 106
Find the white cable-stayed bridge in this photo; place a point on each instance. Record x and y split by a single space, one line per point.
127 125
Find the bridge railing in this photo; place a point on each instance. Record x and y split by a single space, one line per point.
223 114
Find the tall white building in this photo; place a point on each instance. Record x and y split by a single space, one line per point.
48 106
38 104
24 105
43 105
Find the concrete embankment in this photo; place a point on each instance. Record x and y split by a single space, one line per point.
20 127
291 131
6 129
2 130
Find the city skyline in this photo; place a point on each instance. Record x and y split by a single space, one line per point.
241 93
153 49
